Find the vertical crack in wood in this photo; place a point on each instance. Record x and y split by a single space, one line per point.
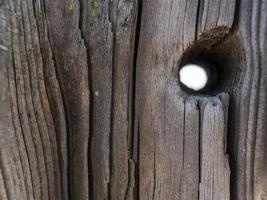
112 103
56 103
134 127
198 18
115 22
215 171
236 16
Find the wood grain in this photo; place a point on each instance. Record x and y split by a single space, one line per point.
91 106
214 163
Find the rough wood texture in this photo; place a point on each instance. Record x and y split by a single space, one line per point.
91 106
214 166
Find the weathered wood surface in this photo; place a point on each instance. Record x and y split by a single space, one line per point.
214 164
91 106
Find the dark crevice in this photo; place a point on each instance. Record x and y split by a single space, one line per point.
80 26
198 20
134 71
236 17
199 143
113 92
111 121
135 125
231 134
154 169
137 174
91 128
34 11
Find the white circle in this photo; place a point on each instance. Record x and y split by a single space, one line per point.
193 76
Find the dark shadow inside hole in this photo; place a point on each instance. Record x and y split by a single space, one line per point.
223 61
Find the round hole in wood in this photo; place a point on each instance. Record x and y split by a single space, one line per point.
222 61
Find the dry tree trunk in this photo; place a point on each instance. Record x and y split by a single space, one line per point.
91 106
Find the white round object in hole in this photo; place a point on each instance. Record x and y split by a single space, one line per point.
193 76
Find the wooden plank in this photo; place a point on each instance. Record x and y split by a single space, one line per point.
244 106
71 66
161 147
214 163
54 95
110 39
59 142
190 180
260 162
11 137
161 45
34 158
123 165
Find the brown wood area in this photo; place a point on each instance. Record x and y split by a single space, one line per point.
91 106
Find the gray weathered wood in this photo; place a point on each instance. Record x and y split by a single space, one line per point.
91 106
190 177
214 163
